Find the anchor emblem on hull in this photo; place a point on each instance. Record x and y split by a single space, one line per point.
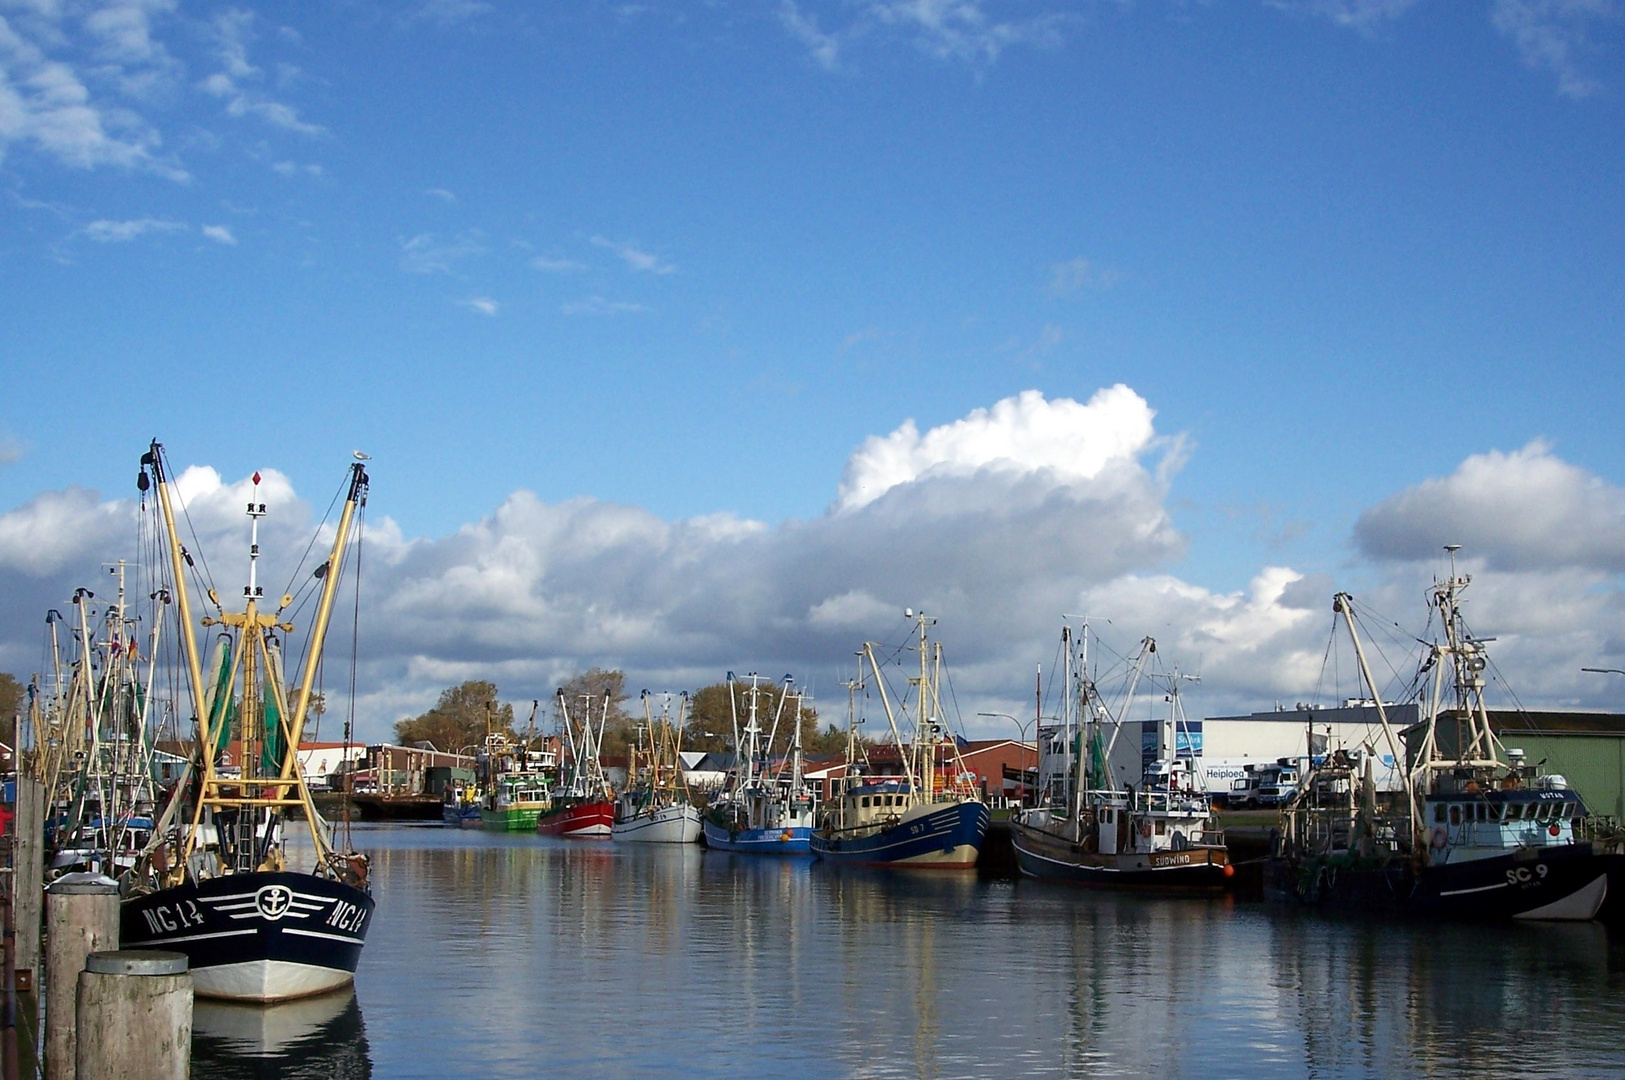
273 901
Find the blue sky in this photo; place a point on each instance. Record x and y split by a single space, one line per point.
687 257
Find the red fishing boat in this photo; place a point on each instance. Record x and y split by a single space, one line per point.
583 803
578 820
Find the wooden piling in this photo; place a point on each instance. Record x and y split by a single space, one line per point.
82 914
28 870
134 1013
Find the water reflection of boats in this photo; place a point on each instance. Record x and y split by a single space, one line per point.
313 1037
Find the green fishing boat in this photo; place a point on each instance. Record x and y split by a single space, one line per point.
515 802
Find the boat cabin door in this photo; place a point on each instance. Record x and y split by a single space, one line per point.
1107 823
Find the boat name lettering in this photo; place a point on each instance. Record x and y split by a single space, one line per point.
1522 876
347 916
185 915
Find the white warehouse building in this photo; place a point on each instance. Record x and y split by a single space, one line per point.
1221 747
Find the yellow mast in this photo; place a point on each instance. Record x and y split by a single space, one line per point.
252 655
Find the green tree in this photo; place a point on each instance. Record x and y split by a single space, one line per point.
710 722
832 740
11 698
458 719
593 684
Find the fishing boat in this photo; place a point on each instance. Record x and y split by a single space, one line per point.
98 747
655 807
216 883
461 805
931 816
1097 832
765 811
516 802
1481 835
583 804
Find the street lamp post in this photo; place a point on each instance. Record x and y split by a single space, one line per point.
1021 733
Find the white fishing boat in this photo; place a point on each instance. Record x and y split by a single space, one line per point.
655 807
97 746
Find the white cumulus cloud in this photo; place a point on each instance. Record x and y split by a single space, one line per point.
998 523
1071 441
1518 510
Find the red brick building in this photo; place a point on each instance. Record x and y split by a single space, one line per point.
987 760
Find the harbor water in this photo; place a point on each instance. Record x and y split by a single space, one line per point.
500 955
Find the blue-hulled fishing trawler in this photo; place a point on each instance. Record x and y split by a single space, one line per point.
766 810
929 817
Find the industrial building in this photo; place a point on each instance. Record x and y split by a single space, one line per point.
1588 749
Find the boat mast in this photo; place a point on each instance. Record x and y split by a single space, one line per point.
1343 604
1080 781
357 497
1468 662
891 717
153 459
733 718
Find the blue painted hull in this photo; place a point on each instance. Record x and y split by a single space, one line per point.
948 837
461 816
790 840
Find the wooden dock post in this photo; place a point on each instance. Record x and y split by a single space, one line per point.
134 1016
81 912
28 876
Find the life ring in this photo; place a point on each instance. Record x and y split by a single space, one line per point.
1440 837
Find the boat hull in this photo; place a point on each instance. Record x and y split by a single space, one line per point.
1046 856
1565 883
948 836
786 840
511 818
260 936
371 807
667 825
460 817
582 821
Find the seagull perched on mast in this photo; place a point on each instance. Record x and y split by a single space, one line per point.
359 456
